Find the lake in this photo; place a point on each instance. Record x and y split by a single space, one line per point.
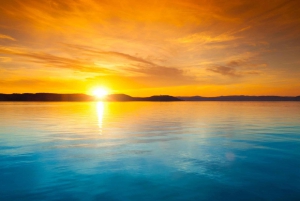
149 151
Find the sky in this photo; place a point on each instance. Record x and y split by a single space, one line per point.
151 47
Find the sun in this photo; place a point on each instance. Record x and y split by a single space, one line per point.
100 92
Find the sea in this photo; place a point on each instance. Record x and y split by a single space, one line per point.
136 151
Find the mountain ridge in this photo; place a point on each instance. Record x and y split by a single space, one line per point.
125 97
240 98
80 97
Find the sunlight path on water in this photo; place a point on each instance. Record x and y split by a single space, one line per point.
100 113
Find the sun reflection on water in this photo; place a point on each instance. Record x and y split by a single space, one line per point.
100 113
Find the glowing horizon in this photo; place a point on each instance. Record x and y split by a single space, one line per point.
143 48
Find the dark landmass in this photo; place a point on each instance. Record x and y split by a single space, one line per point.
45 97
80 97
241 98
124 97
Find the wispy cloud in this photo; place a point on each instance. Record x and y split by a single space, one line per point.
237 68
110 53
223 70
206 38
139 65
146 73
5 59
2 36
52 60
151 43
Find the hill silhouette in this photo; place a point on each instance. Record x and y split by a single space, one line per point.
124 97
241 98
80 97
45 97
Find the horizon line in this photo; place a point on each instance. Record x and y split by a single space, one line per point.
144 96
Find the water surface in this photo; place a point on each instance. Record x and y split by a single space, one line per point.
150 151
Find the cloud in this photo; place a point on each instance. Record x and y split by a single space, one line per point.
157 70
224 70
137 70
237 68
110 53
206 38
142 66
142 81
2 36
150 43
53 60
5 59
235 63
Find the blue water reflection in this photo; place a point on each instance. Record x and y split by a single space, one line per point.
150 151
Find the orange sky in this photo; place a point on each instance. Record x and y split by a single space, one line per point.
148 47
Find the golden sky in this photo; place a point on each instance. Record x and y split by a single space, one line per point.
149 47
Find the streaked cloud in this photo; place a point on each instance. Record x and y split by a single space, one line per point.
5 59
2 36
147 44
203 38
52 60
224 70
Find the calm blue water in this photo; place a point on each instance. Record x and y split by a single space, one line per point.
150 151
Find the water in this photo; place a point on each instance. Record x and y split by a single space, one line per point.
150 151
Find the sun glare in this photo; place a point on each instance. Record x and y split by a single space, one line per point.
100 92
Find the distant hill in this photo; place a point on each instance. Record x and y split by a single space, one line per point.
162 98
45 97
124 97
242 98
119 97
80 97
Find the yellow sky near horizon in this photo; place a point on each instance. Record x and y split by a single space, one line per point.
142 48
